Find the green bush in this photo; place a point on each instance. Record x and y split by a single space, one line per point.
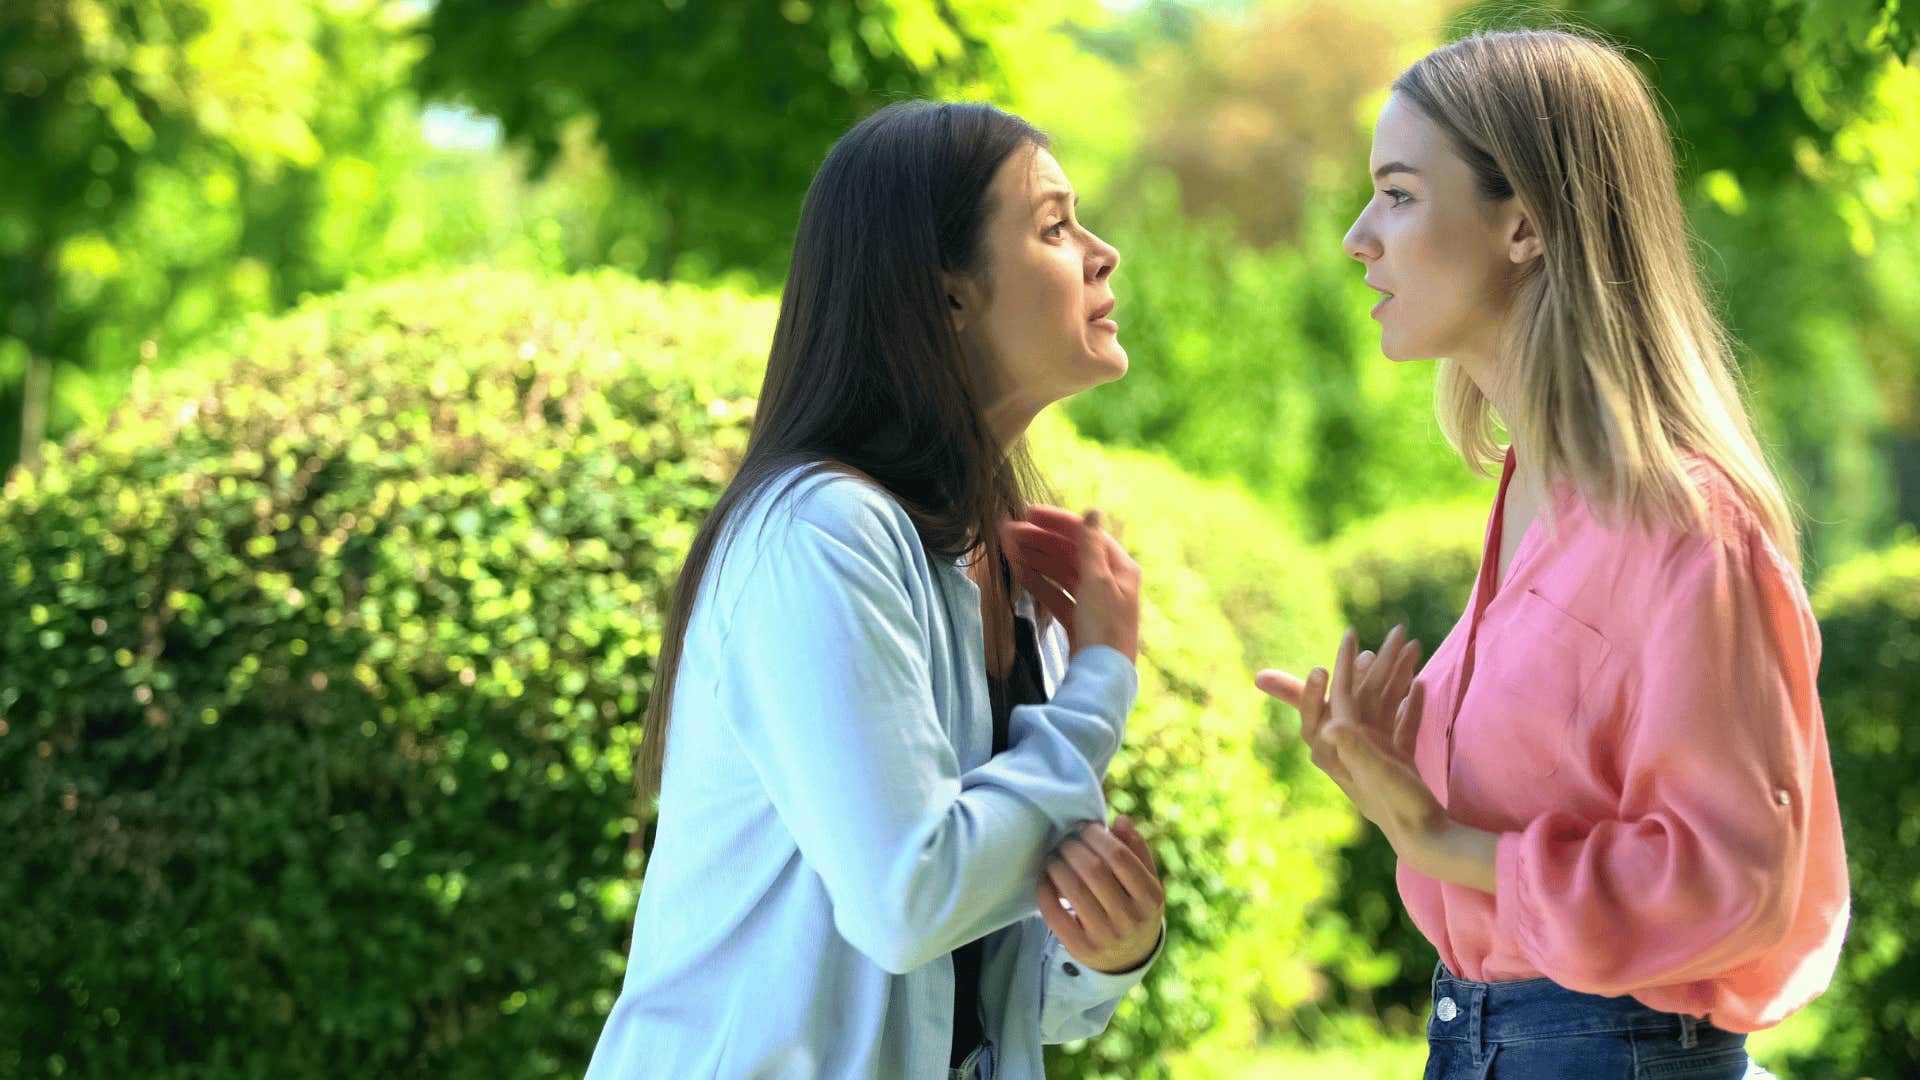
316 681
1414 566
321 666
1869 612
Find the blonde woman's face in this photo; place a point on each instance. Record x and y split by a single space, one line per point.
1438 253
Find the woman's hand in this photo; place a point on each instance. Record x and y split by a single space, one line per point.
1352 740
1381 700
1362 736
1109 878
1079 574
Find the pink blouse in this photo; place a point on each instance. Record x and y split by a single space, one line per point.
1633 711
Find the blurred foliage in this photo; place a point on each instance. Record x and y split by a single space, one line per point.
717 114
1263 366
1783 77
720 130
168 165
1228 113
1869 612
317 679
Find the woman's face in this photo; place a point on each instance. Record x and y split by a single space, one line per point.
1441 256
1036 321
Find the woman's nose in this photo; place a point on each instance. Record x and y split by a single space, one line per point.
1359 243
1104 259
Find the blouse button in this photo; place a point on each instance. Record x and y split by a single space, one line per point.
1780 796
1069 968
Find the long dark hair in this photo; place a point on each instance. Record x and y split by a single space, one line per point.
866 373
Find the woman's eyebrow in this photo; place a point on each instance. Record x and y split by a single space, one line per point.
1056 195
1391 167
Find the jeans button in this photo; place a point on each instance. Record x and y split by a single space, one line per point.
1446 1010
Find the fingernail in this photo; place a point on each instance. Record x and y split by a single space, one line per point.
1092 518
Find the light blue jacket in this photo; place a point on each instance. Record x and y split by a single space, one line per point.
833 822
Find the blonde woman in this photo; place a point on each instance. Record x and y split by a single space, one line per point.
1609 789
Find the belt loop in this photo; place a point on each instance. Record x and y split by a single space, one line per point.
1476 1026
1688 1038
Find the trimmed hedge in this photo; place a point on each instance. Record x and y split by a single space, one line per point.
316 676
322 663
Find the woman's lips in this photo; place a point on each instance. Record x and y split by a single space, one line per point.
1100 320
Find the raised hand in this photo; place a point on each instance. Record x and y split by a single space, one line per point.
1378 695
1079 574
1360 725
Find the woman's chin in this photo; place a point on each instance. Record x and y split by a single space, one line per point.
1398 352
1108 363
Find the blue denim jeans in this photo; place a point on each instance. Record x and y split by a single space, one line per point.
1535 1029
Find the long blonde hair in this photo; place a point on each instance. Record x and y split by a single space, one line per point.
1619 368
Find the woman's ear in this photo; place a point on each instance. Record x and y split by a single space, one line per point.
963 298
1523 243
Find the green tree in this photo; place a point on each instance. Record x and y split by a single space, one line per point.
718 113
171 164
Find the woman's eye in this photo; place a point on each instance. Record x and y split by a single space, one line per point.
1400 198
1055 230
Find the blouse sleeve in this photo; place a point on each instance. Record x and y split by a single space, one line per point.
1701 870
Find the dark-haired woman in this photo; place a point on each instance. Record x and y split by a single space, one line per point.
881 848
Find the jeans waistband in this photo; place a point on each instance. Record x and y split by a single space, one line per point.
1538 1008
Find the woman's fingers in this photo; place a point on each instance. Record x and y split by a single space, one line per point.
1275 683
1401 679
1054 519
1129 834
1313 705
1049 596
1091 551
1059 919
1034 544
1116 906
1107 595
1086 906
1406 733
1342 687
1374 680
1128 860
